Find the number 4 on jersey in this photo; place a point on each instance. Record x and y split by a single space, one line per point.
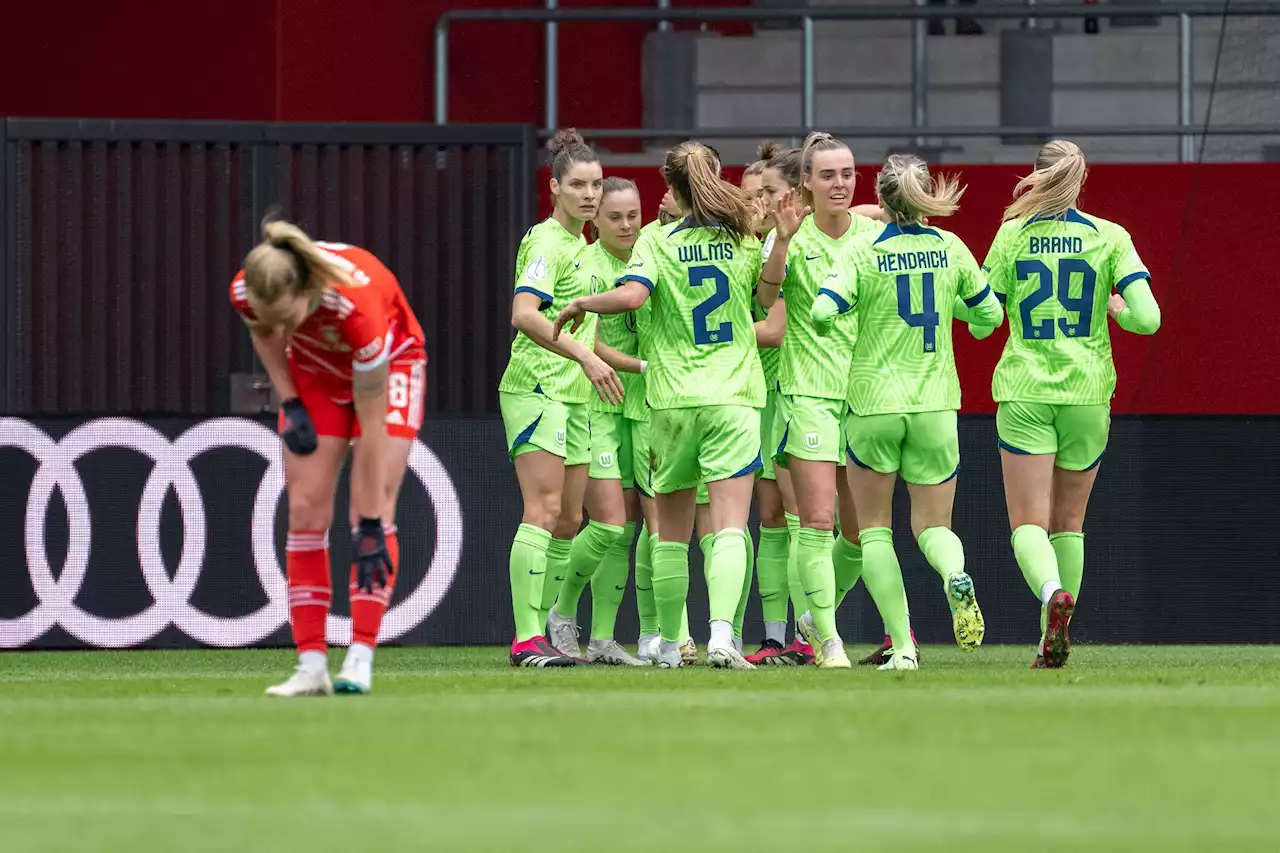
927 317
723 333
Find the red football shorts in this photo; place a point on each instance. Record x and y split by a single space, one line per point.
406 393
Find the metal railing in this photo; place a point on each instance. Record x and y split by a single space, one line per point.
920 14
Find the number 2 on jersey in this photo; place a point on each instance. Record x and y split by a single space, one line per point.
702 334
1082 305
927 317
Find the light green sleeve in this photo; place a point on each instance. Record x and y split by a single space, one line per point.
1141 315
541 270
836 295
981 307
995 268
986 315
641 267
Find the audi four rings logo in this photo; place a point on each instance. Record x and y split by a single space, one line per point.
172 598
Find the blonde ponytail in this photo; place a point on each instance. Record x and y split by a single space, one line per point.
692 171
288 264
1055 184
813 143
907 193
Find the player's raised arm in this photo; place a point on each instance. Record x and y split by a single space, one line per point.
788 216
771 330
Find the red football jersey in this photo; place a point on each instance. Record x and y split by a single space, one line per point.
359 326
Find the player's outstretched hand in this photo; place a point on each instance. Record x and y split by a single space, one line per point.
1116 304
373 563
298 432
603 377
789 215
572 313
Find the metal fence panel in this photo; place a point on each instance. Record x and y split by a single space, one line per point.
122 237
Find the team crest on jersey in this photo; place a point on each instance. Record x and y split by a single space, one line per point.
536 270
330 334
560 437
812 440
606 460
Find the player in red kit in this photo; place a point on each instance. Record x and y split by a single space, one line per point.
345 356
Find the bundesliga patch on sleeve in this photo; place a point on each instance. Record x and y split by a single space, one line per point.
536 270
768 246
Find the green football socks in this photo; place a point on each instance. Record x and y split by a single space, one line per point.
609 584
671 588
817 573
646 609
528 568
883 577
585 558
846 556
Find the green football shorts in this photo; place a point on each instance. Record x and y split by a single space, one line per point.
612 455
812 429
641 457
1076 435
770 433
922 447
536 422
703 445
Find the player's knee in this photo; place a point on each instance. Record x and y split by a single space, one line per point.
820 518
567 524
310 508
544 512
1066 520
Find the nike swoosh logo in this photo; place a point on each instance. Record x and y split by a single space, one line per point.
581 575
645 588
622 588
532 572
559 578
815 592
814 258
769 597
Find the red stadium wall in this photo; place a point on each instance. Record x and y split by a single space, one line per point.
313 60
1188 224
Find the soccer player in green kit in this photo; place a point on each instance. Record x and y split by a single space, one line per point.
777 580
618 470
1056 269
902 284
704 384
543 397
813 377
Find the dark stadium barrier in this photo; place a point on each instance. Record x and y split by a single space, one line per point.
120 239
169 533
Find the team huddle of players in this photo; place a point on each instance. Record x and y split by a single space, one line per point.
772 340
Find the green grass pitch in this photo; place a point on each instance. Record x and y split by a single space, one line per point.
1129 748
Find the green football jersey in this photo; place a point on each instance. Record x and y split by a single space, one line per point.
547 265
700 338
809 365
653 227
602 270
770 357
1055 275
901 284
